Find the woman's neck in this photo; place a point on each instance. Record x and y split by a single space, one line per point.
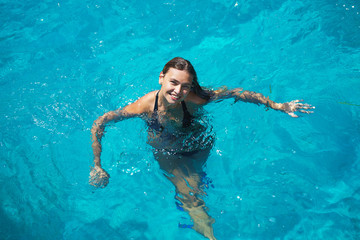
164 105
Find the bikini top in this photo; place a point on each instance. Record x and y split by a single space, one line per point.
155 124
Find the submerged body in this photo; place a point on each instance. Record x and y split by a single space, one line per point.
181 140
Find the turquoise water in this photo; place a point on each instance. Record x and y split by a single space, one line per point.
64 63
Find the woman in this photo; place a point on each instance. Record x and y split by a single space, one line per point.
180 141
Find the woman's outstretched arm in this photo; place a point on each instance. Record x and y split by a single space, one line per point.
252 97
98 128
98 176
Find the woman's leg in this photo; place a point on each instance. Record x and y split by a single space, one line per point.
186 173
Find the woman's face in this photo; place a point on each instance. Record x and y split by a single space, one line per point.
175 85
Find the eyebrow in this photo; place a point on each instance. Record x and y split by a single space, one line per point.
178 82
173 79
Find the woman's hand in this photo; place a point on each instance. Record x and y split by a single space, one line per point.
294 106
99 177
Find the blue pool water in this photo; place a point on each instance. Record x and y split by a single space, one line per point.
64 63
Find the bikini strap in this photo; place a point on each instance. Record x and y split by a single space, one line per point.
154 121
156 102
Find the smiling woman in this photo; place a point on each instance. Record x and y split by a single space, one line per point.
181 144
177 84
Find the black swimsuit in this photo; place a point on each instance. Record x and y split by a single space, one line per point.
155 124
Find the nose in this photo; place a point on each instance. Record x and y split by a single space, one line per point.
178 89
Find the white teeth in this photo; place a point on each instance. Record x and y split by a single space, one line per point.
176 97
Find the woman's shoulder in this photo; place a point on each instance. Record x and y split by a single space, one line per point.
145 104
149 97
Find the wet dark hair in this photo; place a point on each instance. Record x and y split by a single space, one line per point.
184 65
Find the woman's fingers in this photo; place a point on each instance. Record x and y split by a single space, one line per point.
104 182
308 112
295 106
306 106
99 178
292 114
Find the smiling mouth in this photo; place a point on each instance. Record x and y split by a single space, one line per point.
174 97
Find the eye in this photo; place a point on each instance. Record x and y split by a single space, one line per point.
186 87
